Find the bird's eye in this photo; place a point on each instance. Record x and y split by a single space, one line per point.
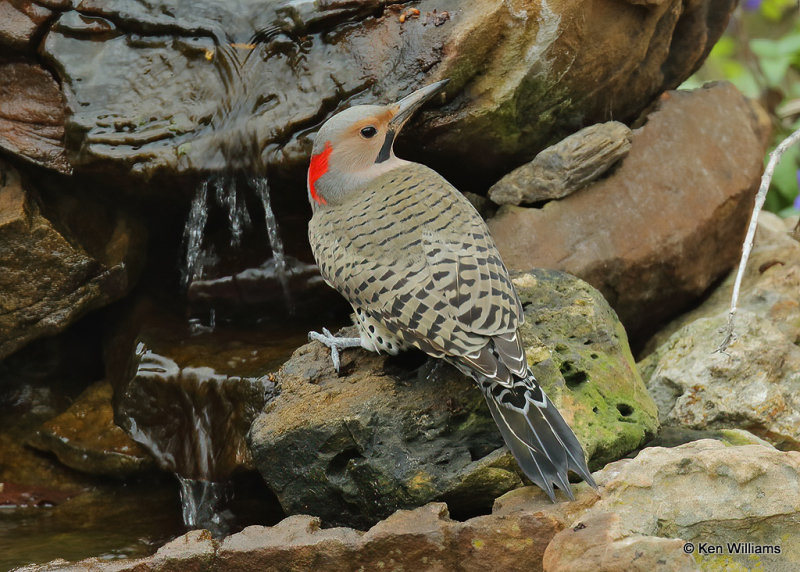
369 132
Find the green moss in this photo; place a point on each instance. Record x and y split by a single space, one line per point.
590 374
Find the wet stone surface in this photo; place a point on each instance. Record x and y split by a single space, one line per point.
85 437
162 88
57 264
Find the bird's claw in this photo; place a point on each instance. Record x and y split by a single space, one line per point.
327 339
335 344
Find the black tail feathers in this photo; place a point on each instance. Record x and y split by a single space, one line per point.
542 443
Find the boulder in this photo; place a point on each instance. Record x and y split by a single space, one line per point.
668 222
399 432
754 384
85 437
155 88
654 510
59 263
705 493
600 542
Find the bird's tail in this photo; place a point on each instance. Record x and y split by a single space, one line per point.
542 443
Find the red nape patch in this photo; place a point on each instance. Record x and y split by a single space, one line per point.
318 167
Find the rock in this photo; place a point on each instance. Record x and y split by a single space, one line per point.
390 433
194 550
294 543
565 167
259 292
190 398
571 333
650 506
58 265
85 438
20 21
32 114
601 543
754 385
682 225
17 496
271 73
706 492
671 436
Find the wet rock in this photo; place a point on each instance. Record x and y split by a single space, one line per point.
649 507
259 292
400 432
753 385
32 114
157 88
60 263
14 495
189 398
565 167
20 21
86 438
654 235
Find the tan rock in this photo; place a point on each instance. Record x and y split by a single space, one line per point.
566 166
600 543
755 384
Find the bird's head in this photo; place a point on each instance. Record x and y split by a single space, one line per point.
355 146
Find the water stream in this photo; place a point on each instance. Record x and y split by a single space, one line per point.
230 198
204 505
261 186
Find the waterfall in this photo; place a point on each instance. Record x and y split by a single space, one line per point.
193 235
261 186
229 197
202 505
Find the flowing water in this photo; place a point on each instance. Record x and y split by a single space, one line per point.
204 505
193 235
230 198
261 186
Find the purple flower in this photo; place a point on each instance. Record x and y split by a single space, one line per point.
797 198
751 5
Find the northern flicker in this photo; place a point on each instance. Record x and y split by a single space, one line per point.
419 267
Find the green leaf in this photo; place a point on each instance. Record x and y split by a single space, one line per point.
784 179
775 69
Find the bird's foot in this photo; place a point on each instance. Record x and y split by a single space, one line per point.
335 344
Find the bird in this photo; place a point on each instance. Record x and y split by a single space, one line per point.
420 269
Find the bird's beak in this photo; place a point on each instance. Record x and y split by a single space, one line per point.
406 107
